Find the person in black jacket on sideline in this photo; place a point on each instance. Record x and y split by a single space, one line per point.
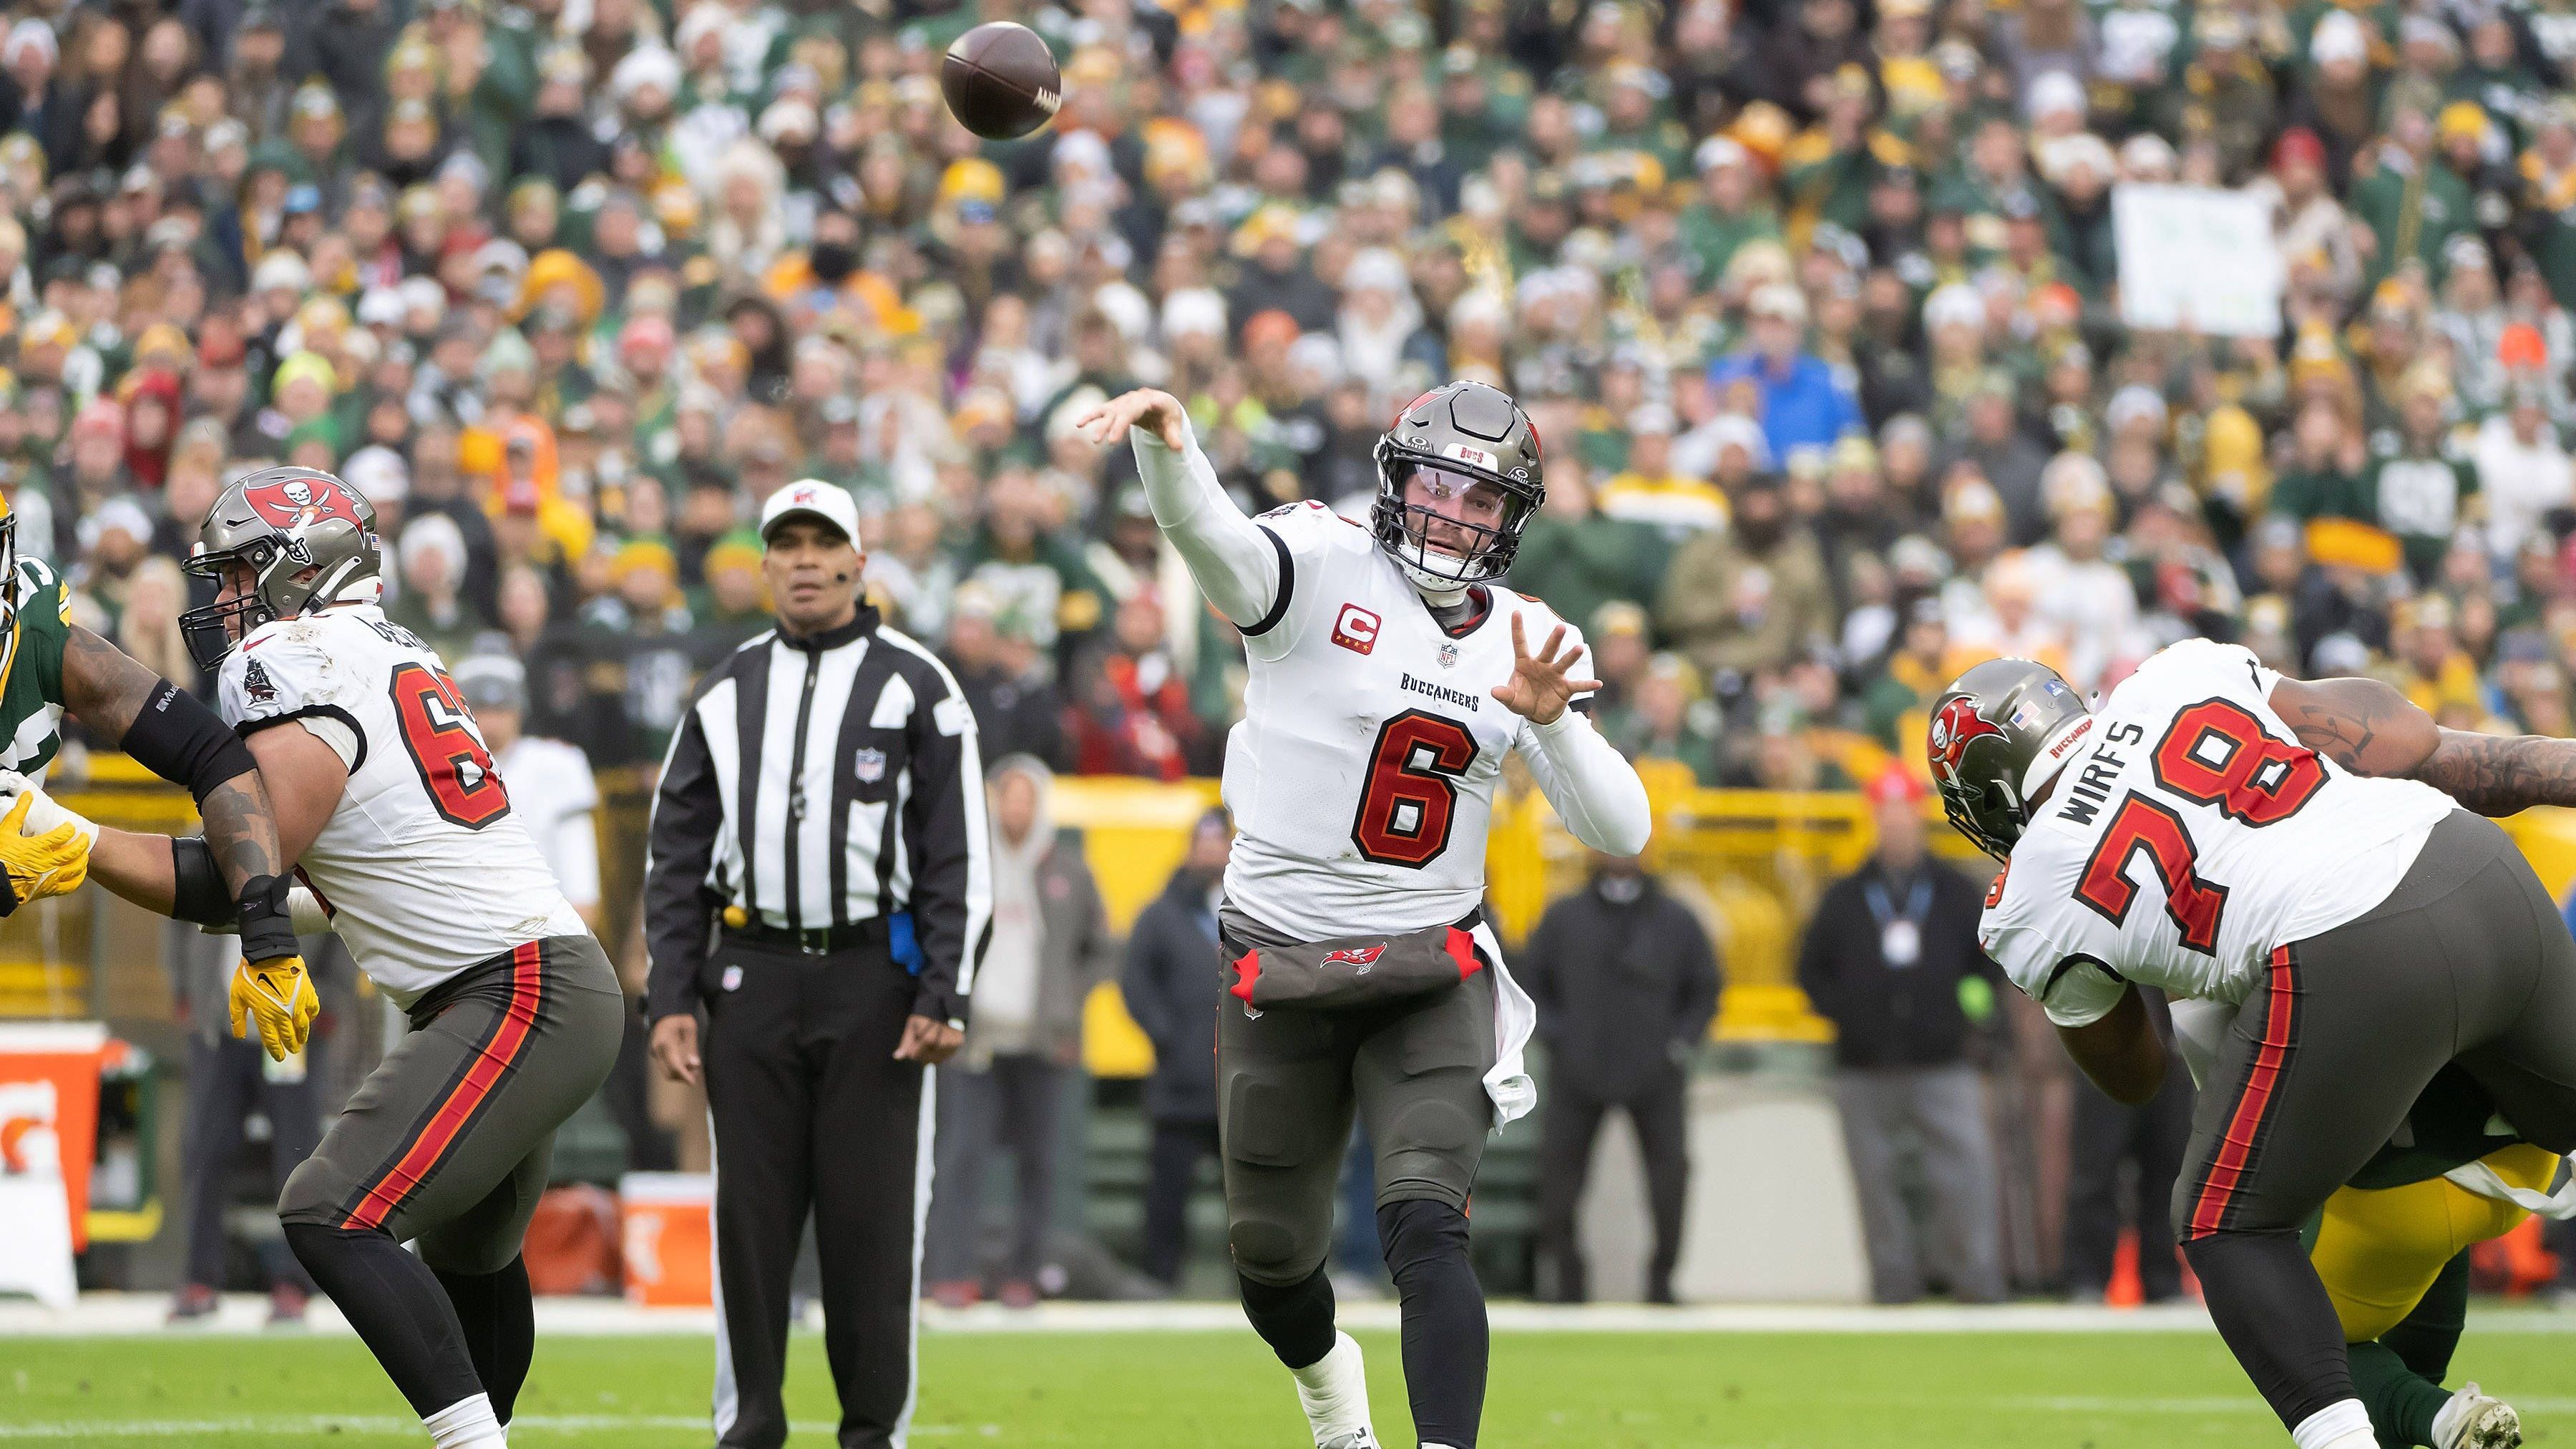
1625 981
1891 959
1173 991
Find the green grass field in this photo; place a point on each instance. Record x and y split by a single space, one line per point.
1189 1390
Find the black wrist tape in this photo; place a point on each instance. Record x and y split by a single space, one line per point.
180 740
267 931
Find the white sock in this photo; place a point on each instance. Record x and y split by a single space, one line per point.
466 1424
2341 1425
1333 1390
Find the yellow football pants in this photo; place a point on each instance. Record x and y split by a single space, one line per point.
2377 1251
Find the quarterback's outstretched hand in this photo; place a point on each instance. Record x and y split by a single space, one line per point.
1538 689
1158 413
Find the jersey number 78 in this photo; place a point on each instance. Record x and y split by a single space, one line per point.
2216 753
439 733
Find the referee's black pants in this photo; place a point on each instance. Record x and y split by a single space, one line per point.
810 1110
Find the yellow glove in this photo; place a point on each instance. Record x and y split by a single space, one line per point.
33 867
279 995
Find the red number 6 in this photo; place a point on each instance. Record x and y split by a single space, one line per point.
454 766
1412 791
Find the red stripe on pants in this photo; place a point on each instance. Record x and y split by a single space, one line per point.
517 1023
2228 1171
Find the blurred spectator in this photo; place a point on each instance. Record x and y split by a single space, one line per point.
1891 959
1578 558
1668 717
1895 704
1626 983
1017 708
2423 489
1131 713
552 790
1050 945
1799 401
2004 455
1749 598
2523 472
1649 491
1173 988
2084 597
431 564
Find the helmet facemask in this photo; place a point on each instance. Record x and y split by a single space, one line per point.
212 630
1438 546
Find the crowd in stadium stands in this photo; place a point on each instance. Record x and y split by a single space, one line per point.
1813 302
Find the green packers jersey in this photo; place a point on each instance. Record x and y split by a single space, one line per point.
31 672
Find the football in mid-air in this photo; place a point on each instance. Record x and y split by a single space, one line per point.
1001 81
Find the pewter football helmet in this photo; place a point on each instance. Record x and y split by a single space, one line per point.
1474 434
306 538
1998 733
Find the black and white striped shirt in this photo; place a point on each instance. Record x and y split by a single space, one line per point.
821 782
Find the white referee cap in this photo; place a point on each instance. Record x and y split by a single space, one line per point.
813 497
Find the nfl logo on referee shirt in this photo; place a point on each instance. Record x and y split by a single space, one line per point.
869 766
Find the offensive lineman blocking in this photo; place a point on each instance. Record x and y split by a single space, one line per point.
1362 779
2219 832
389 805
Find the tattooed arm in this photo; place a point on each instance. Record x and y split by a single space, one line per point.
2370 729
116 698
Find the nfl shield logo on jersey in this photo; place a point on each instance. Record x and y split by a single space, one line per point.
869 766
1448 655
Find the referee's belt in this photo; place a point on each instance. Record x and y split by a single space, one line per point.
813 941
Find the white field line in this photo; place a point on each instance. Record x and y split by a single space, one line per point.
2244 1404
140 1314
387 1425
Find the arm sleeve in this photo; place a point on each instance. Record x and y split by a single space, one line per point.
1596 792
688 812
1240 566
951 849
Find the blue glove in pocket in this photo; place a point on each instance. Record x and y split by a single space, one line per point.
903 945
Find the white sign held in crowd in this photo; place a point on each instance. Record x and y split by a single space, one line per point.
2197 257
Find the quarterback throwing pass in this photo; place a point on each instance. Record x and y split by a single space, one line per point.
1390 679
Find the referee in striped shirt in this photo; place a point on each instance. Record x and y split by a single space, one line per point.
819 886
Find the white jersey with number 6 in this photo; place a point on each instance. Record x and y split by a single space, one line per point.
422 865
1362 776
2189 836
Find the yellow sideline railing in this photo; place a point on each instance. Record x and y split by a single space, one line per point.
1751 862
